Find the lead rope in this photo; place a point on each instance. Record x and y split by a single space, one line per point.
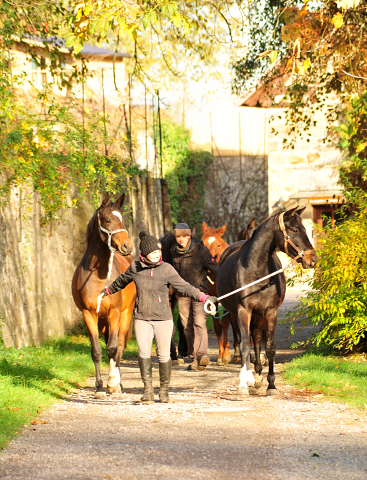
209 306
110 261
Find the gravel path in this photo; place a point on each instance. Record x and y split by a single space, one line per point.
206 432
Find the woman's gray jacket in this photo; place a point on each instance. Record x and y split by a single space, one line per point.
152 284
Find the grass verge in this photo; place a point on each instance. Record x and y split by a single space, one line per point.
34 378
341 379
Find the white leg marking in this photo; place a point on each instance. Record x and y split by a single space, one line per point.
113 374
243 377
211 240
118 214
250 378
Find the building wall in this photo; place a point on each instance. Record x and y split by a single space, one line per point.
36 266
309 166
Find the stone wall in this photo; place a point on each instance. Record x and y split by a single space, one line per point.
236 192
36 266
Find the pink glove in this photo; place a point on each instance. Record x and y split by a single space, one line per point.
203 297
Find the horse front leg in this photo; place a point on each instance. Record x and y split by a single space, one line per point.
236 341
114 379
270 349
218 331
91 322
124 336
225 326
257 337
246 375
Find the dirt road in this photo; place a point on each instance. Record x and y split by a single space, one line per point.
206 432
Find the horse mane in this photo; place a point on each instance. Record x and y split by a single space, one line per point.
90 226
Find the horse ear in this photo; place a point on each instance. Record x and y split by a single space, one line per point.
289 213
120 201
221 230
204 227
300 211
252 224
106 200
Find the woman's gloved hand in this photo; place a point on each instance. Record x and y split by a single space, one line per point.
104 292
203 298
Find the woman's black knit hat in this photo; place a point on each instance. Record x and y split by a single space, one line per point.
148 243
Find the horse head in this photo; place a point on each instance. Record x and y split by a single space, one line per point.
212 239
291 238
111 224
247 231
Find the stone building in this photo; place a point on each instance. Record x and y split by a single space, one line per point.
253 175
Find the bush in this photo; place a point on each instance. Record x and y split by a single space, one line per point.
337 301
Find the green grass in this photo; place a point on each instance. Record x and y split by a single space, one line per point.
340 379
34 378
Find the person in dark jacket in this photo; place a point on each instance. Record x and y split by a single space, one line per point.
153 315
192 260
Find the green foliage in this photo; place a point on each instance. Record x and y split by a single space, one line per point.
342 379
186 172
337 301
352 132
60 155
48 144
264 34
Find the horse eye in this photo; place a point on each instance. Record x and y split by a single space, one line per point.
108 220
295 230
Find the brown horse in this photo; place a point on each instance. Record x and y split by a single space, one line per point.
212 239
106 234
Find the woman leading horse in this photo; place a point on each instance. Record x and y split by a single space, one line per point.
108 255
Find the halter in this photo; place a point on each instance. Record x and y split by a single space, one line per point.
109 233
112 252
287 239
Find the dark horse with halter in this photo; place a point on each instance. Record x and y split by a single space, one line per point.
256 308
108 255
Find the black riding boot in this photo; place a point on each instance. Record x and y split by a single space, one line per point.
145 365
165 377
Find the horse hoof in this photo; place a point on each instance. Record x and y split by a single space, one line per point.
272 392
115 389
258 380
252 390
220 362
227 360
243 392
100 395
236 359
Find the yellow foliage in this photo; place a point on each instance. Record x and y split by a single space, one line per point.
337 20
273 56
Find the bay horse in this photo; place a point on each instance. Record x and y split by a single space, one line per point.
108 249
256 308
212 239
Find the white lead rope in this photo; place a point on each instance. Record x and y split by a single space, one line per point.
209 306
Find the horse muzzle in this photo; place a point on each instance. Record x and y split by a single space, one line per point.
125 248
309 260
122 244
